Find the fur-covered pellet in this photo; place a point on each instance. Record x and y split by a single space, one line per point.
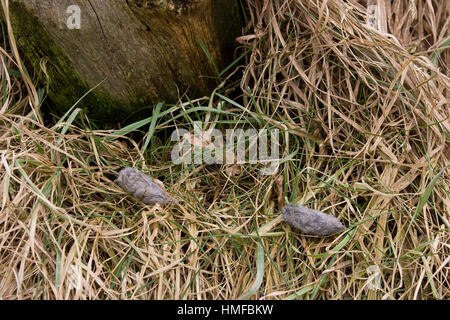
310 221
142 187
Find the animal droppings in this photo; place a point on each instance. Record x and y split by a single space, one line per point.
142 187
310 221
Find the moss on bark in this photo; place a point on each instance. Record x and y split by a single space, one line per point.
65 87
146 55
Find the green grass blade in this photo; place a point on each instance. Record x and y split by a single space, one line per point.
259 275
63 118
210 58
429 188
151 130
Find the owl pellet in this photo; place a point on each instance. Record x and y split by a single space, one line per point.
142 187
310 221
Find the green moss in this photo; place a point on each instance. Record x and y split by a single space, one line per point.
65 87
170 5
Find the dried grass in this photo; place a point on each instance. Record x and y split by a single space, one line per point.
382 107
365 115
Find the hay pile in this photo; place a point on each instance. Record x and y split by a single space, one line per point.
364 113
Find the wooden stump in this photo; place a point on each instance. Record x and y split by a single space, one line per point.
148 51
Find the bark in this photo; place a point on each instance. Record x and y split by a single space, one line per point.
148 51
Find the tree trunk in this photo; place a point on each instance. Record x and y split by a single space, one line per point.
148 51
